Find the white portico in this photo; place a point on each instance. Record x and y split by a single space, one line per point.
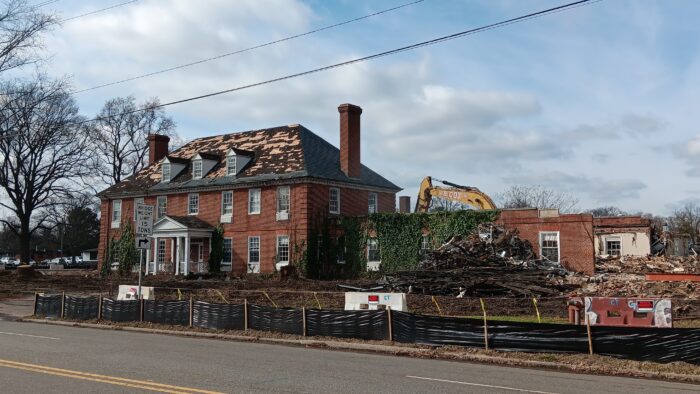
181 244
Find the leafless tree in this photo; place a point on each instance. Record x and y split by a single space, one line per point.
20 25
119 136
44 160
442 205
606 211
518 196
686 220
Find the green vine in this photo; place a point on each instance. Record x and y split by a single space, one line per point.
217 250
127 254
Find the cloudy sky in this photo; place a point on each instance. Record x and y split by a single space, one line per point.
599 101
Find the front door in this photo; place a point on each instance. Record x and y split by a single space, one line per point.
196 257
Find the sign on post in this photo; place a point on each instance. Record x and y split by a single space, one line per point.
144 219
143 243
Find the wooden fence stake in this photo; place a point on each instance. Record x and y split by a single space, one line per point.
191 311
317 301
391 328
588 330
437 305
537 310
99 308
303 320
486 325
245 314
141 305
63 303
36 299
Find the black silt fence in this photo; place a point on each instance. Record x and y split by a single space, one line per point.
167 312
286 320
537 337
121 311
348 324
48 305
648 344
218 316
437 330
81 308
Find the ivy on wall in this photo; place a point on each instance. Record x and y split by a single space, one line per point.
217 250
126 253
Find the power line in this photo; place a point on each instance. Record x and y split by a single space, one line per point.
441 39
181 66
98 11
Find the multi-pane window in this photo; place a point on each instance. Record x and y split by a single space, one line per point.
137 201
193 204
253 201
227 203
162 206
283 199
424 244
116 213
197 169
161 251
166 172
373 250
334 200
227 258
549 246
231 165
340 251
283 249
372 203
253 254
613 246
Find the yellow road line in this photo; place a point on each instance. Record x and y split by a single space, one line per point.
165 388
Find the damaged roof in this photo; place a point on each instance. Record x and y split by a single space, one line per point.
279 153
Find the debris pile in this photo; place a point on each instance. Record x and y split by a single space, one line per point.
647 264
489 262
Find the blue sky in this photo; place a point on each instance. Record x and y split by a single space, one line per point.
599 101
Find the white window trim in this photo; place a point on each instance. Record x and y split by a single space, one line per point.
165 250
380 257
116 223
376 202
195 163
231 159
163 178
226 217
612 238
158 199
277 248
188 204
138 200
259 253
227 266
558 243
282 215
250 206
330 192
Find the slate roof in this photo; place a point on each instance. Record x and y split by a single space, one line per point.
279 153
192 222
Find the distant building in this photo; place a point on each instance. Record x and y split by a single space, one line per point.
264 187
622 236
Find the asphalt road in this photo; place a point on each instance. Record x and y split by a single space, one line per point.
36 358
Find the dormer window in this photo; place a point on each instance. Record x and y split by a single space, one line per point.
165 173
231 164
197 169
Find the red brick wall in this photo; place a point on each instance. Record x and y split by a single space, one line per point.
307 201
575 235
621 224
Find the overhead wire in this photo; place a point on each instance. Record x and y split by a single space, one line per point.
248 49
98 11
434 41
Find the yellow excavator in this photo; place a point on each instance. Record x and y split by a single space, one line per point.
462 194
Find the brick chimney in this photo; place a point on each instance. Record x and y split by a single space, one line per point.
157 147
404 204
350 139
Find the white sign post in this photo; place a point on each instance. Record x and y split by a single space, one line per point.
144 228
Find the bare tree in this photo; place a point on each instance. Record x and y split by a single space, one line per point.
119 136
606 211
44 160
20 25
686 221
442 205
518 196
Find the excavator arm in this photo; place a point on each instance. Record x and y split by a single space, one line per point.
463 194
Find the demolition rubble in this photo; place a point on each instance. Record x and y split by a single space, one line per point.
489 262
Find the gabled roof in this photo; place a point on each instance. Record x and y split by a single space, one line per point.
209 156
279 153
178 160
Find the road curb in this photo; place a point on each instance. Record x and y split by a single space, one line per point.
384 349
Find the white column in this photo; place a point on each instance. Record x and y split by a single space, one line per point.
148 260
172 249
177 256
155 255
187 255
